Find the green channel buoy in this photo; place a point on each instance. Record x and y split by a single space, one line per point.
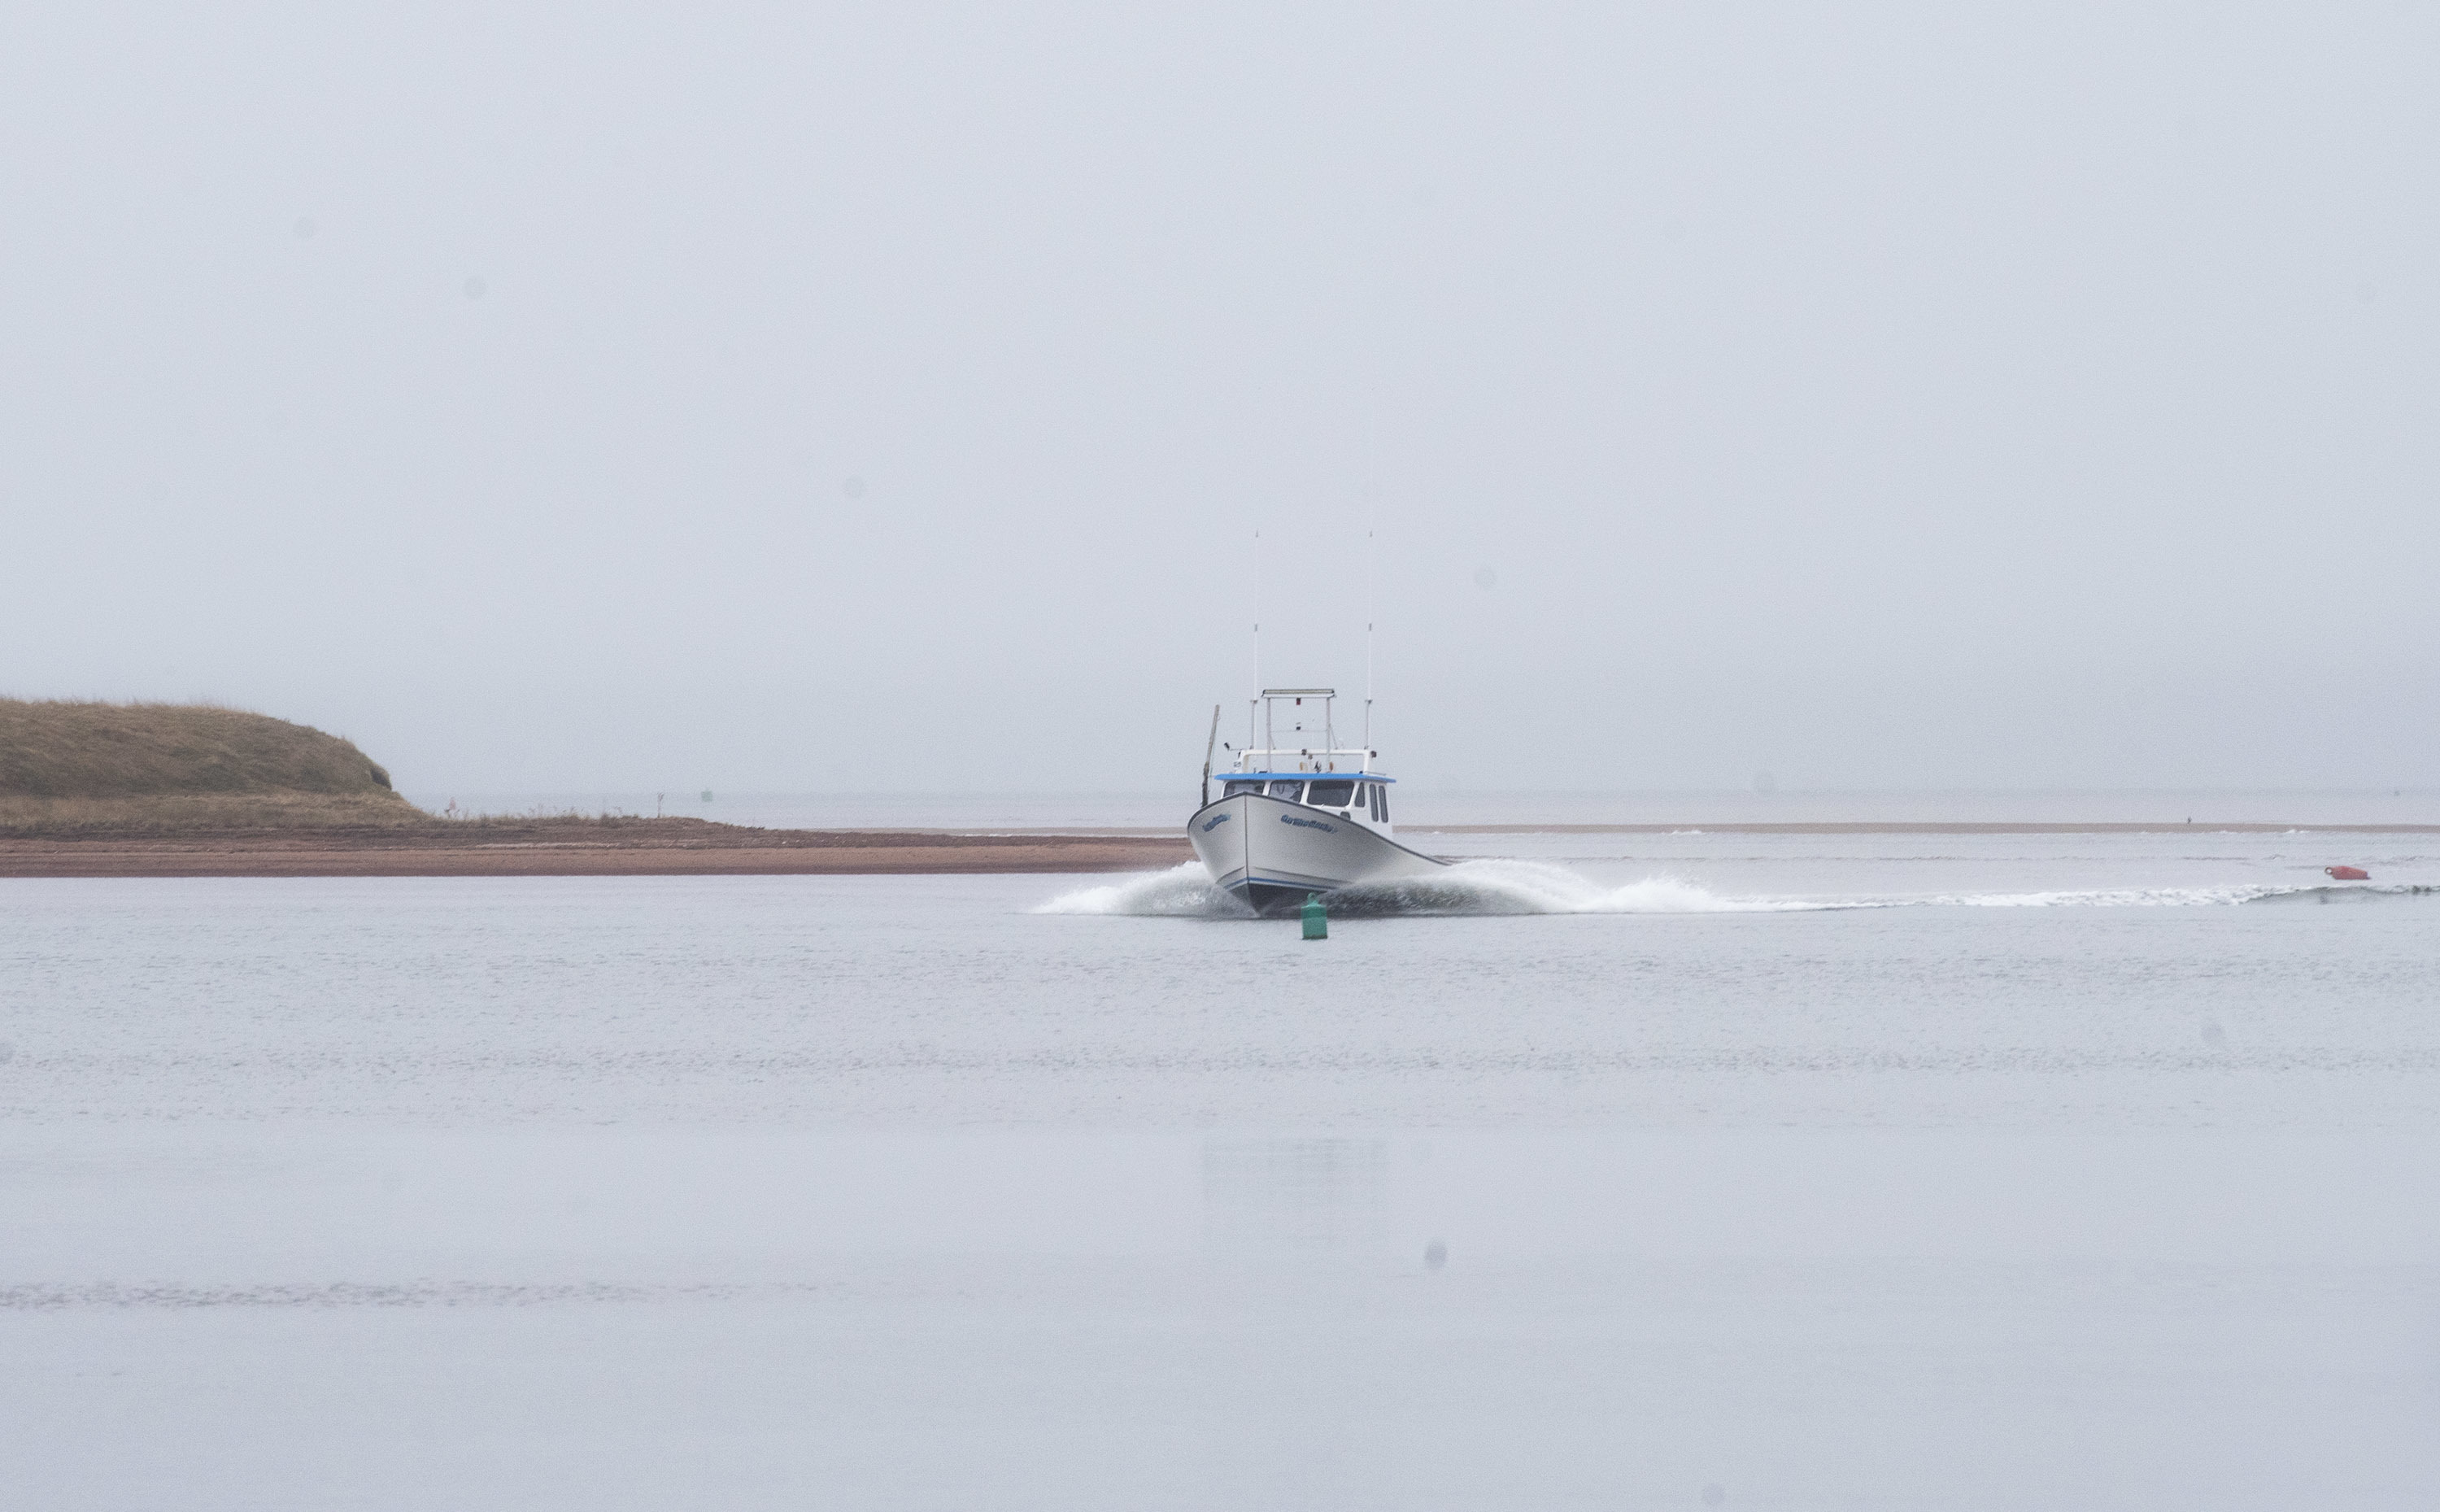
1317 918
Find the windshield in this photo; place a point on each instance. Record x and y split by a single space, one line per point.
1286 790
1234 789
1332 795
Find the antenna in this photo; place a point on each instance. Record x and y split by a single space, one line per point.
1252 703
1257 608
1368 651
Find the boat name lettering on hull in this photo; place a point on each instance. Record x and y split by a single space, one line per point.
1213 821
1308 824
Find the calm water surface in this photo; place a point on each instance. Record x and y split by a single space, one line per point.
1808 1171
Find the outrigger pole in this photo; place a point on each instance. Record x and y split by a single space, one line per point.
1207 756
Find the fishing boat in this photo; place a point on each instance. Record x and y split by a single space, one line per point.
1297 815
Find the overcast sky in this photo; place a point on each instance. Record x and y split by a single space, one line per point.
790 397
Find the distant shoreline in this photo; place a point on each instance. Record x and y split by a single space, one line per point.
634 849
649 849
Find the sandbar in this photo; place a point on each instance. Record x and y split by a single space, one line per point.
423 852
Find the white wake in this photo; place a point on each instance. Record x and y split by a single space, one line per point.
1495 886
1484 886
1183 892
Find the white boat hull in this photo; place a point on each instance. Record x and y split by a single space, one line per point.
1273 853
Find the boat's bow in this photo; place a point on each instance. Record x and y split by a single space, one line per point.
1274 852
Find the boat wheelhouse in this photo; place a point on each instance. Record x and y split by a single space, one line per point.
1299 814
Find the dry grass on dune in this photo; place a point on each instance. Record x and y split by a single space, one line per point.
217 812
75 766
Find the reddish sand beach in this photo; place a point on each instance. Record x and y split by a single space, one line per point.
646 848
695 848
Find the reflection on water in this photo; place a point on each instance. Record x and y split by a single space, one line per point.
1288 1197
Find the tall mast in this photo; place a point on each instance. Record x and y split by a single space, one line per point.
1250 703
1258 611
1367 652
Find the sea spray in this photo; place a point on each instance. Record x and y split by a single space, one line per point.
1494 886
1467 888
1183 892
1511 887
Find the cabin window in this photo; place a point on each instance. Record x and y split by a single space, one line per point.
1332 795
1384 802
1373 796
1286 790
1236 789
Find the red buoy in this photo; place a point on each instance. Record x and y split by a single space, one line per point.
2349 873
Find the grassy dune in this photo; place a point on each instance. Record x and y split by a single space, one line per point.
88 767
